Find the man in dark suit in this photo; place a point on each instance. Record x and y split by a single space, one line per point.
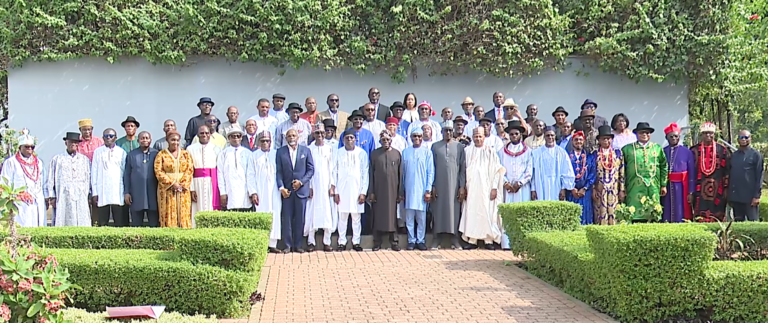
294 171
140 183
249 139
497 110
382 111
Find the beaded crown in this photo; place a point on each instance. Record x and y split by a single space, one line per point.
708 127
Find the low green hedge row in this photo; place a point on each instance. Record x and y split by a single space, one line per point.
223 219
228 248
536 216
81 316
647 272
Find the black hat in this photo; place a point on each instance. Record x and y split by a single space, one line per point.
130 119
278 96
74 136
328 123
460 119
560 109
643 126
603 131
485 119
294 105
514 124
588 101
356 113
205 99
397 104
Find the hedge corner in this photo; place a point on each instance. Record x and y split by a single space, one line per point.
537 216
225 219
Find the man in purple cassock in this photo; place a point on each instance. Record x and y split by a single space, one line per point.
682 177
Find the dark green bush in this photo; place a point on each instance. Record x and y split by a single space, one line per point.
537 216
651 271
223 219
142 277
563 259
233 249
737 291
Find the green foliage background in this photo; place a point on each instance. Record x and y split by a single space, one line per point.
712 44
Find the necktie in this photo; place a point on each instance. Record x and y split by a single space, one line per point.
250 142
498 113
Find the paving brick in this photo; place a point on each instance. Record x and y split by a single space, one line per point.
414 286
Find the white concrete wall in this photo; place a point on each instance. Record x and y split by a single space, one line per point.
49 98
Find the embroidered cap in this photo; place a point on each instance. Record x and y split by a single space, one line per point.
708 127
84 123
26 139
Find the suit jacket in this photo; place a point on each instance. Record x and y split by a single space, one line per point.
287 172
342 119
139 179
382 114
245 142
491 114
599 121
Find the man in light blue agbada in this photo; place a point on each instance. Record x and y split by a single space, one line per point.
418 177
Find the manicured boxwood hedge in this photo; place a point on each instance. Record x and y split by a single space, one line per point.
521 218
246 220
81 316
652 272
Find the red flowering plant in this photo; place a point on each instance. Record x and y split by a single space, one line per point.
33 288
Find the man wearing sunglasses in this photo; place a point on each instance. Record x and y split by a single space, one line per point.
26 170
745 180
107 181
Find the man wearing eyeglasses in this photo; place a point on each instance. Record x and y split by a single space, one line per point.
340 118
204 189
68 185
88 143
212 123
231 168
26 170
745 180
262 186
381 111
206 107
107 181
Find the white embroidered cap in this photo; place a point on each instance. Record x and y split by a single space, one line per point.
26 139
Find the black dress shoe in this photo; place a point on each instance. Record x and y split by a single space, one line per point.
286 250
274 250
410 246
421 246
395 247
357 248
341 248
470 247
490 246
328 249
376 248
299 250
310 248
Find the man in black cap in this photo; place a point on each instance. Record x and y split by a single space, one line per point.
560 116
206 106
277 111
302 127
398 109
69 180
130 141
599 120
330 133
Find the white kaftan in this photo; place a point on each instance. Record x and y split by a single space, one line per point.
375 127
69 182
262 181
231 169
552 172
494 142
203 157
350 176
480 215
107 175
320 210
32 214
519 169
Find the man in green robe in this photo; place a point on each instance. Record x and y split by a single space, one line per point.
645 171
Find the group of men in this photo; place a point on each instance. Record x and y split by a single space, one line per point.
373 171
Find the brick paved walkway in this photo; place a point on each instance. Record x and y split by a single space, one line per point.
431 286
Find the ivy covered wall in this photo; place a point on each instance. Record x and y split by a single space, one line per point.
716 45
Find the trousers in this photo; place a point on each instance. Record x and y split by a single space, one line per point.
418 234
119 215
356 227
137 218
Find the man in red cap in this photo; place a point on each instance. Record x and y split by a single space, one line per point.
682 171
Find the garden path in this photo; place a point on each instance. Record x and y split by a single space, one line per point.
409 286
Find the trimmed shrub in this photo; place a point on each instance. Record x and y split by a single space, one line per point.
141 277
81 316
737 291
651 271
757 231
537 216
563 259
234 249
223 219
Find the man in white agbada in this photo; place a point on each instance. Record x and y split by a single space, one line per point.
517 160
204 188
69 183
107 181
321 213
373 125
349 179
552 170
231 172
485 178
24 169
262 185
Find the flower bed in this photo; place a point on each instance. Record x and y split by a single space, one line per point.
651 272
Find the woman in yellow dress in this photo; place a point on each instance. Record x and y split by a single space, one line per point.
174 169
